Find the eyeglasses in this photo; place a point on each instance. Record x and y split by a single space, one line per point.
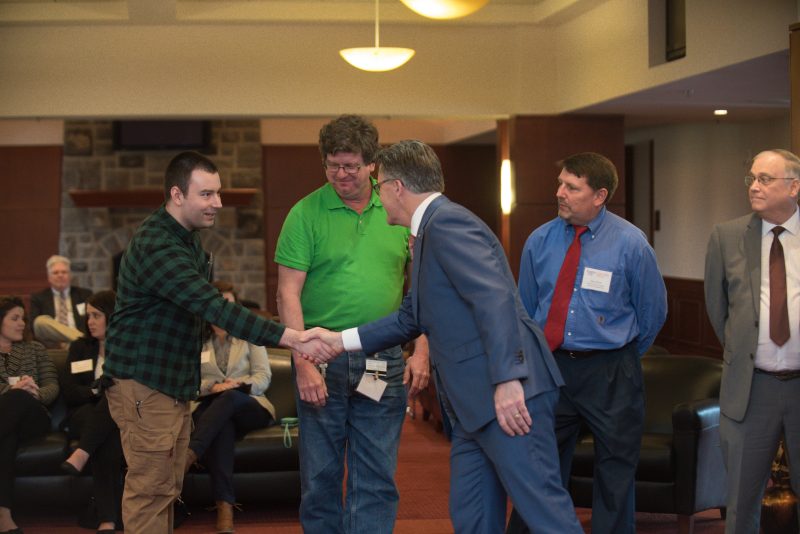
764 179
349 168
377 185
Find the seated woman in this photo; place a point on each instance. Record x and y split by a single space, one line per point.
89 419
229 366
28 384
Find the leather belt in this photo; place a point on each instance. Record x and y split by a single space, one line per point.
780 375
580 354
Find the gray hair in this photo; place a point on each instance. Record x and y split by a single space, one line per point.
791 161
55 258
413 163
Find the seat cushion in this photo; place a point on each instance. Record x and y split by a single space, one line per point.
43 457
655 458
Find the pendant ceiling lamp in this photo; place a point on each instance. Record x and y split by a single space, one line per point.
376 58
444 9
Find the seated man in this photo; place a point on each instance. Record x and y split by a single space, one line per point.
58 313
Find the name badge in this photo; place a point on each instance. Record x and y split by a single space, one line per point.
12 380
81 308
205 356
596 280
371 386
375 365
81 366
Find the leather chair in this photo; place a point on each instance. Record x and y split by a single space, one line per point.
680 467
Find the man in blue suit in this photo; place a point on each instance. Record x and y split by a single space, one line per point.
495 376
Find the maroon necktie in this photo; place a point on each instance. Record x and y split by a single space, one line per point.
557 315
778 308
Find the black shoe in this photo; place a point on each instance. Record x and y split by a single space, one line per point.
12 531
69 469
107 531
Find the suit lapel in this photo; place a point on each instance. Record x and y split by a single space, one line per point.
418 251
752 252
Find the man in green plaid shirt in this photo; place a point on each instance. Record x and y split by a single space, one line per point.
154 339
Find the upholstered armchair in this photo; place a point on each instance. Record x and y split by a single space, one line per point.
680 466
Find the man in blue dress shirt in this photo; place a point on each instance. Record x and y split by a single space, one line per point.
610 315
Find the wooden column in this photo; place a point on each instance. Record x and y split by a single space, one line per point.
536 143
794 72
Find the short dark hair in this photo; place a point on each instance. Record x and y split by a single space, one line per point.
415 164
105 301
180 170
8 303
349 133
598 170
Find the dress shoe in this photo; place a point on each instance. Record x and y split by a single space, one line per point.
191 458
12 531
69 469
224 517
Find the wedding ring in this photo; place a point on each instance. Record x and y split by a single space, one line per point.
517 414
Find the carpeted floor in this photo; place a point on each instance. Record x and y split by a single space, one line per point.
423 479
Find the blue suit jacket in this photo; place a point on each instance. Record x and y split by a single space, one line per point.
464 298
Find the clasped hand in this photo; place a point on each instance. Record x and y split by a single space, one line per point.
316 345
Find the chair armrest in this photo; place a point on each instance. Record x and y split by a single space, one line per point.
700 477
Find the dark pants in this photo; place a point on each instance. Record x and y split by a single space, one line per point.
606 393
216 423
22 418
99 436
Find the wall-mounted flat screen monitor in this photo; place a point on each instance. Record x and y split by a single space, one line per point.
161 134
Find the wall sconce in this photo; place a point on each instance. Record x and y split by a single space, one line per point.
375 58
506 187
444 9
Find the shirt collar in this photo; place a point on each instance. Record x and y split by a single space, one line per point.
416 218
59 293
792 224
593 225
332 201
172 224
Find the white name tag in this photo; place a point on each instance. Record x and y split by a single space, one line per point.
205 356
371 386
81 366
81 308
596 280
376 365
12 380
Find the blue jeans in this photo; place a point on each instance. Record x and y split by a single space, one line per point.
369 432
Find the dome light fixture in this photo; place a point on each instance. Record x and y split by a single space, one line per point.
444 9
377 58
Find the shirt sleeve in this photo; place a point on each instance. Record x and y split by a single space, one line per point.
649 297
295 242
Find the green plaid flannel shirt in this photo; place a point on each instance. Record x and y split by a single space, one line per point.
163 297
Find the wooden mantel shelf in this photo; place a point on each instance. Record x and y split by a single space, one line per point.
149 198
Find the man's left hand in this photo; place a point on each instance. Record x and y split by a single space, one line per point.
509 405
418 371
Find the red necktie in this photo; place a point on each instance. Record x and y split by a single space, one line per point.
557 315
778 308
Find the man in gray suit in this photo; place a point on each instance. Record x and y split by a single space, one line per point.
752 287
495 376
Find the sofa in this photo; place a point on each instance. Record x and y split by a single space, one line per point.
265 468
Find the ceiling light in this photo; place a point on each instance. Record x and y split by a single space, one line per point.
720 112
444 9
375 58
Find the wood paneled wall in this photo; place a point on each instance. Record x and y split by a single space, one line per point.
687 329
30 215
291 172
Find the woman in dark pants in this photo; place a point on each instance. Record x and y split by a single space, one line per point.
28 384
89 418
225 410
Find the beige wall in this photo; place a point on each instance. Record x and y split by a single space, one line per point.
293 69
699 181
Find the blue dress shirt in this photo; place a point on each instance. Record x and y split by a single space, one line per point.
635 306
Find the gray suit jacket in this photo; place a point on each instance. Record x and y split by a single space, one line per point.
464 297
733 292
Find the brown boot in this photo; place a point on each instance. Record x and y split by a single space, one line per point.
191 458
224 517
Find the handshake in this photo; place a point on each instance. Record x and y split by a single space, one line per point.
316 345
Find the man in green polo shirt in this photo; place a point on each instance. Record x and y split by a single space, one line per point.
341 264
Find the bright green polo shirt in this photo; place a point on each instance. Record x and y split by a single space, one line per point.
354 262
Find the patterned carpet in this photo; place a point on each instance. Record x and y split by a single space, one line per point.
422 477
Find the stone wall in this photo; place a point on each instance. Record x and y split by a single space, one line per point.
91 237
